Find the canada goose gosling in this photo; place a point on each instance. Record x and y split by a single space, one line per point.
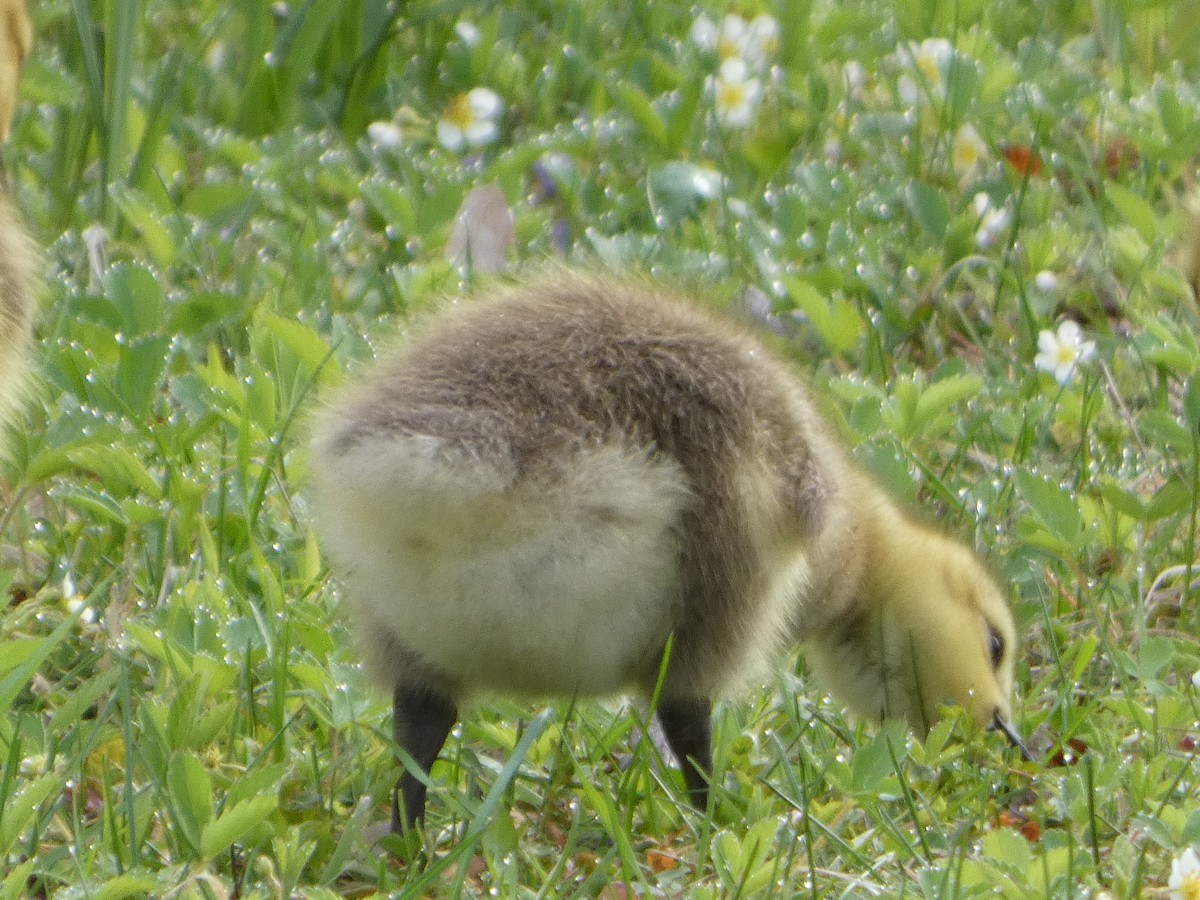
548 481
16 37
16 251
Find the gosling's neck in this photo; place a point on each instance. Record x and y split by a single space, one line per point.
857 542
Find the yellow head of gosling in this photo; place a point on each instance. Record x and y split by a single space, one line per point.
928 628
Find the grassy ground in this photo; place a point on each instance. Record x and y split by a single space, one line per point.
181 711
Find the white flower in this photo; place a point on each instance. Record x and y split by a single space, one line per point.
76 604
704 33
467 32
736 93
470 119
968 151
33 766
931 58
927 66
854 76
1060 352
907 90
1184 883
1046 281
761 41
994 221
731 40
755 42
1196 679
385 135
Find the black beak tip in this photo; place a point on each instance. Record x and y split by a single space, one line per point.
999 723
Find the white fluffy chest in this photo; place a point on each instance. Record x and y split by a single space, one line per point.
559 584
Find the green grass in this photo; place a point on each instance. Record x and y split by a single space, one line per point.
223 241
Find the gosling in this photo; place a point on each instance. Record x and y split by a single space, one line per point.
16 251
548 482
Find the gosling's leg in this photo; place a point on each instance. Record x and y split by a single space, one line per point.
421 719
688 727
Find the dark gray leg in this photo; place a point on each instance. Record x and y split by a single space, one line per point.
421 719
688 727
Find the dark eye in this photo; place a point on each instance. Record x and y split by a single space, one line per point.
996 646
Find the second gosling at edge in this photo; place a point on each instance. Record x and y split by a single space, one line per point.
549 480
17 258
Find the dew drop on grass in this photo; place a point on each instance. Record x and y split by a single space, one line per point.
911 273
808 240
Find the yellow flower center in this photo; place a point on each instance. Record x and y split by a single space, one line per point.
727 47
1190 889
730 94
459 113
928 66
1064 355
966 155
